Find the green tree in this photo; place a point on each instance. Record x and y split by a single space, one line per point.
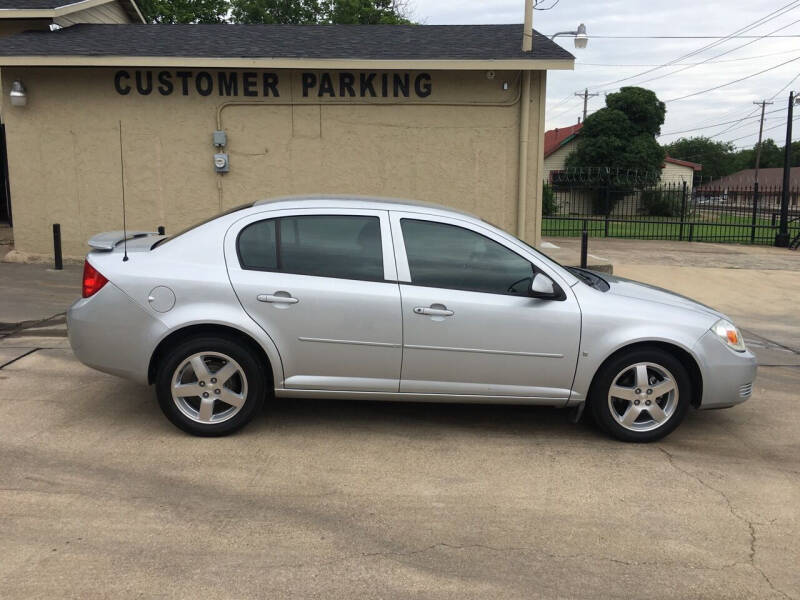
717 158
364 12
642 107
622 135
297 12
184 11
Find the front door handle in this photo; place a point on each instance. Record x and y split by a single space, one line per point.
434 311
278 298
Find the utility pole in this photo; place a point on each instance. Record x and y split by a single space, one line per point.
782 237
763 104
586 95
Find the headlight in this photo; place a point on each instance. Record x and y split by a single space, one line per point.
729 334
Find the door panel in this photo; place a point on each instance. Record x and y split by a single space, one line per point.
492 344
493 340
332 333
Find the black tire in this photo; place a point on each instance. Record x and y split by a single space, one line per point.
253 387
601 407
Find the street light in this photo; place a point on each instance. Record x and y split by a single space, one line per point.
581 39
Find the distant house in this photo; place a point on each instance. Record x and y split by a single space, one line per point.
559 143
767 178
737 188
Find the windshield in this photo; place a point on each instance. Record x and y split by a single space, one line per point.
203 222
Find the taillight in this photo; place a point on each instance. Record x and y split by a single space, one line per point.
93 280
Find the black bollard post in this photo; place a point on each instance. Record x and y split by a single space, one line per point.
59 263
584 246
161 230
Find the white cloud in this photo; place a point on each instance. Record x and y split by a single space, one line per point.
640 17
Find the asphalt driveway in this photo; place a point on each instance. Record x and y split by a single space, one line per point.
101 497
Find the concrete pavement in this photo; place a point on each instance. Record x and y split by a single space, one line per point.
101 497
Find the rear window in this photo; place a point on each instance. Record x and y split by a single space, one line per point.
341 246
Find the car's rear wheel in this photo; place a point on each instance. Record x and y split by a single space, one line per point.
641 395
210 385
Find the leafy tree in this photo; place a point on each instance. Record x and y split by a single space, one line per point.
365 12
184 11
717 158
298 12
622 135
642 107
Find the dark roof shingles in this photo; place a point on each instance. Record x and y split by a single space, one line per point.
34 4
380 42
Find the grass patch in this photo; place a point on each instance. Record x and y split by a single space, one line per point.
699 228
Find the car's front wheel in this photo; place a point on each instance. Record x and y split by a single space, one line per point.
641 395
210 385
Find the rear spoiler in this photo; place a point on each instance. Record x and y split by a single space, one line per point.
109 239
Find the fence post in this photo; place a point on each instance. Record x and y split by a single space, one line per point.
755 213
584 245
607 209
59 264
691 231
683 211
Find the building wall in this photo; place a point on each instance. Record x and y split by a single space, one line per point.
111 12
556 161
676 174
458 146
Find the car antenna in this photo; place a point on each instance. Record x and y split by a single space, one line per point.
124 224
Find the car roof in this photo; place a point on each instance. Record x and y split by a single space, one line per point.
356 201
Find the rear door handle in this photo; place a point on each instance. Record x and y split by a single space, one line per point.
434 312
277 299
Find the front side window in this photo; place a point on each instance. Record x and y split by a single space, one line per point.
342 246
447 256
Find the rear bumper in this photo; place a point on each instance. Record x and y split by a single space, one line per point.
111 333
727 375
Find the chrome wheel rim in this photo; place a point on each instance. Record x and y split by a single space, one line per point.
209 387
643 397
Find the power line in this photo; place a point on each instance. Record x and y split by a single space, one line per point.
687 37
729 60
736 121
767 129
716 56
716 87
758 22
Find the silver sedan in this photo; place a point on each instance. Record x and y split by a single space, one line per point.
332 297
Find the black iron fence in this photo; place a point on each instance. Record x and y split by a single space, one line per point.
623 205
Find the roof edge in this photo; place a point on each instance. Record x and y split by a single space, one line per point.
525 64
71 7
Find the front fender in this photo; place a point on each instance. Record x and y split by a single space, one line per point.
611 323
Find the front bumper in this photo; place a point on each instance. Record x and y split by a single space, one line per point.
111 333
727 375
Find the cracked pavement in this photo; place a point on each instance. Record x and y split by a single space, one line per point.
101 497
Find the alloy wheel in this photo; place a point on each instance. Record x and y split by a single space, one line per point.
643 396
209 387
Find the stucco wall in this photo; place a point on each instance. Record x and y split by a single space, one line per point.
677 174
458 146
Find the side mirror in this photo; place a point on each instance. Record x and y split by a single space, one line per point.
544 288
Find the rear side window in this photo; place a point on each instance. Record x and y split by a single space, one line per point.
257 249
447 256
342 246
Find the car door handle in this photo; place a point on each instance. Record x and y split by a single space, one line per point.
277 299
434 312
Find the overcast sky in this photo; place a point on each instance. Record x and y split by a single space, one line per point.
648 18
